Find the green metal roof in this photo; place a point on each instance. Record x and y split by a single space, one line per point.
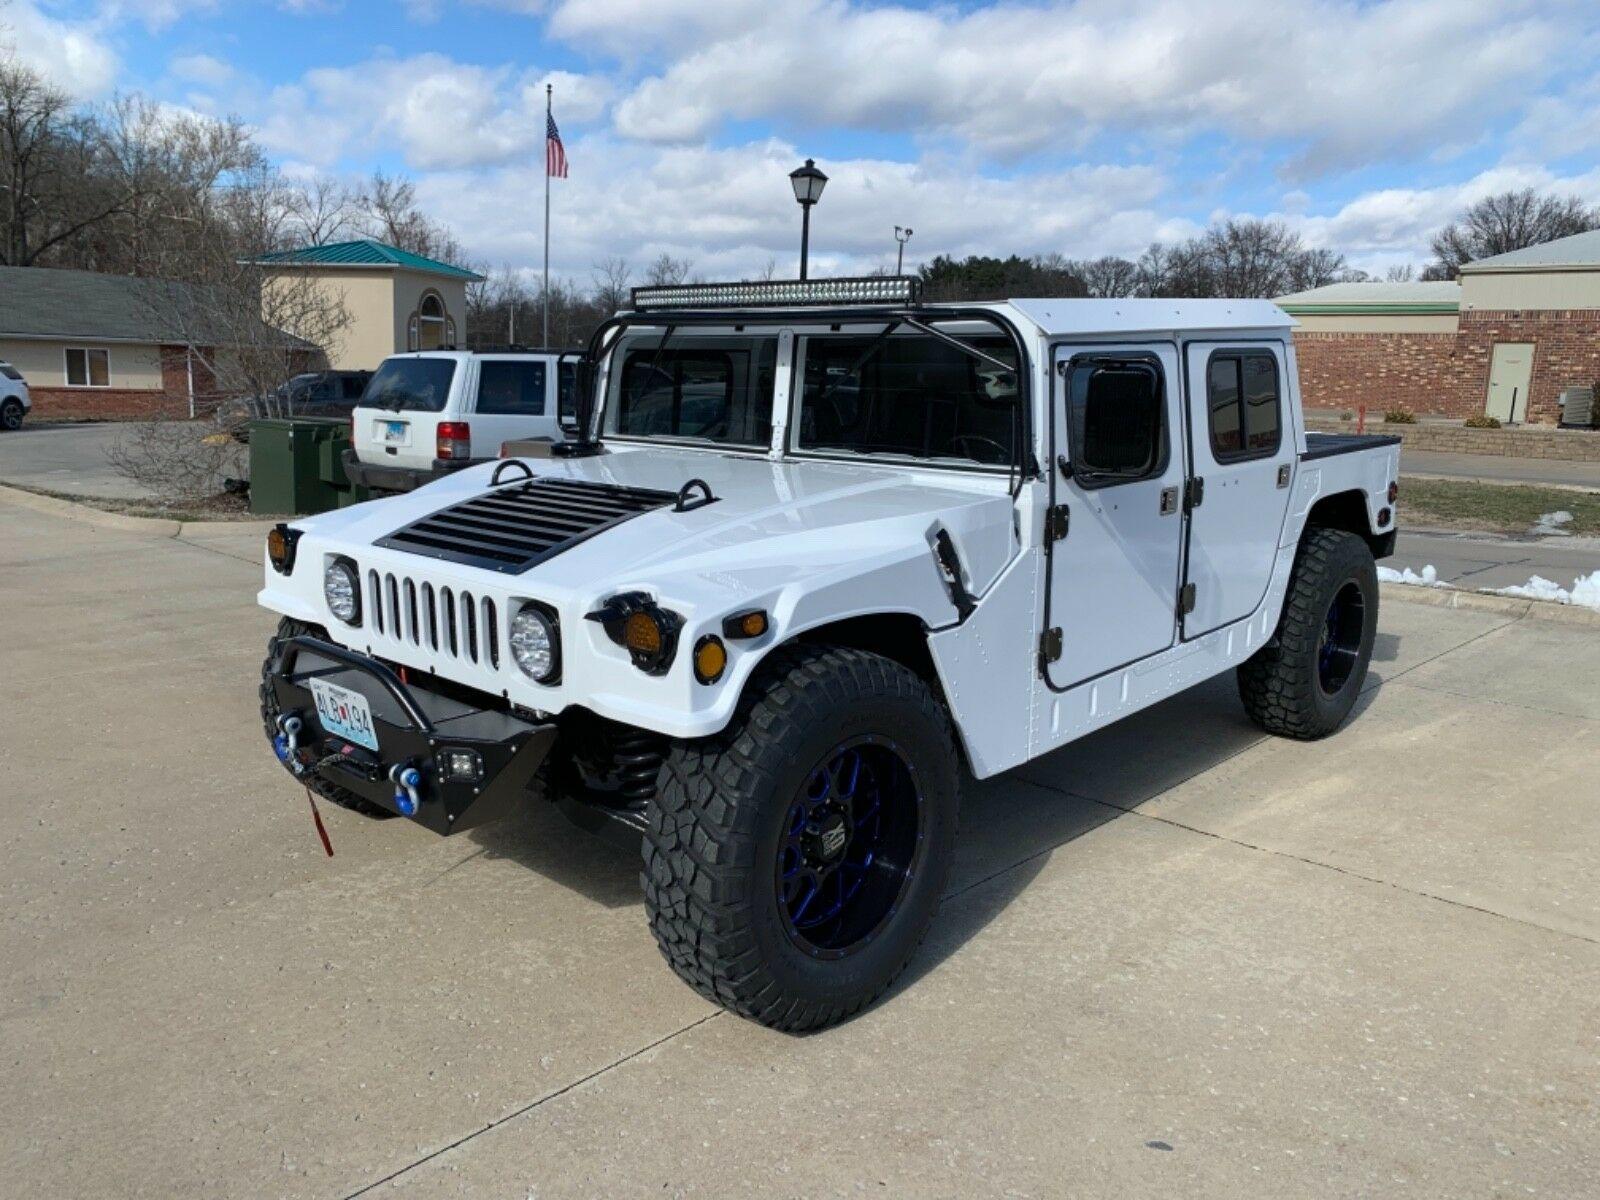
1427 297
366 253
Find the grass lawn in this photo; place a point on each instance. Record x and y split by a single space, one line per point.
1500 508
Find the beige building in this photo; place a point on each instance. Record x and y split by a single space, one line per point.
396 300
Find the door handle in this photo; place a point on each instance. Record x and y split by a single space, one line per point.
1169 501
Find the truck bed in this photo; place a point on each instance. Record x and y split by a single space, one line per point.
1326 445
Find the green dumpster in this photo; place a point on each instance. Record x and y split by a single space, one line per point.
295 465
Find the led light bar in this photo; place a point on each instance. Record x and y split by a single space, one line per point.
871 289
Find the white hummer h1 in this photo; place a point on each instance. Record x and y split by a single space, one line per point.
819 552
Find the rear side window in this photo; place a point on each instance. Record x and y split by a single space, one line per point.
1242 400
10 372
912 395
507 386
1115 422
411 385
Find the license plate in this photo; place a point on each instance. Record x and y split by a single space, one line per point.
344 713
395 433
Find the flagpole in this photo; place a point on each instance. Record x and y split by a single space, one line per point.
545 337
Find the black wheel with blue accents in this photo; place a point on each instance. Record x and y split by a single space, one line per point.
852 843
1304 682
793 863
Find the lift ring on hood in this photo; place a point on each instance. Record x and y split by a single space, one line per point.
688 502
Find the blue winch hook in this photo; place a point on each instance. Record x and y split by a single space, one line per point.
287 744
406 779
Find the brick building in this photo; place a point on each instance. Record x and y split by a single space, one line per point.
1506 340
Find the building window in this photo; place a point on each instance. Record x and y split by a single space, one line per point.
88 368
1242 399
430 326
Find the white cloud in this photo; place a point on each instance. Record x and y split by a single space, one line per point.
730 210
1348 83
71 54
201 69
1395 225
439 113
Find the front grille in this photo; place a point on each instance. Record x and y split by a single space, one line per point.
447 621
515 528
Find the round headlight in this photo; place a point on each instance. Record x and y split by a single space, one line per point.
342 591
533 643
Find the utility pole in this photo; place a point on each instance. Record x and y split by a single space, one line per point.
901 237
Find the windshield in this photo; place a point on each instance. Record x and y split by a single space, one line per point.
710 389
909 394
414 384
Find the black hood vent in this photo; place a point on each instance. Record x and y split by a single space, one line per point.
514 528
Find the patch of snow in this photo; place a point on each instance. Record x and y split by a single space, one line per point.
1585 591
1550 523
1428 578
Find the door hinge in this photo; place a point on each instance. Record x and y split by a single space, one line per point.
1057 520
1193 493
1050 645
1186 599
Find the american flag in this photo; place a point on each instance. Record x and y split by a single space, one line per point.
555 154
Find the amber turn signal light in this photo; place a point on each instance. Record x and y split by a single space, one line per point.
641 634
710 658
750 624
281 542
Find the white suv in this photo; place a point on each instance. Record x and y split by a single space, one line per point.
14 400
433 412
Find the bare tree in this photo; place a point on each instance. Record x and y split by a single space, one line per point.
323 209
390 213
51 168
666 270
612 279
1109 277
1509 221
1400 273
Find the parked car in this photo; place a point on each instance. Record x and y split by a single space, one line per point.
331 394
435 412
763 617
15 403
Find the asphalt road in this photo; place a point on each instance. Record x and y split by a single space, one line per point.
67 458
1547 472
1178 958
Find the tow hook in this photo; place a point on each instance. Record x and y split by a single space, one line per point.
406 779
287 744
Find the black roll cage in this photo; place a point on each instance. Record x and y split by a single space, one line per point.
609 333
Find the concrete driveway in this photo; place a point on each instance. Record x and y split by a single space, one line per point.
1176 959
68 458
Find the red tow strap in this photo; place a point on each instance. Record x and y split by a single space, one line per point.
317 817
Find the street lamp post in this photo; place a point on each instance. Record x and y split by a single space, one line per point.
808 183
902 236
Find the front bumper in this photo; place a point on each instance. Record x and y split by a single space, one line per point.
416 728
381 478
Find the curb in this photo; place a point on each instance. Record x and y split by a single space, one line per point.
165 527
154 526
1511 606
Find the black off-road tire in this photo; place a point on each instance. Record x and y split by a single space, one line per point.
11 414
1280 684
710 851
331 792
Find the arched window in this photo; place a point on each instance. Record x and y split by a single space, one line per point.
432 321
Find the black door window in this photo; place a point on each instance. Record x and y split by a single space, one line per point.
1115 420
1242 405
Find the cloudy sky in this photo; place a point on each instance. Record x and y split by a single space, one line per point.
1078 126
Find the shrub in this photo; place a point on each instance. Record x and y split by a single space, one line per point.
1483 422
1399 416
